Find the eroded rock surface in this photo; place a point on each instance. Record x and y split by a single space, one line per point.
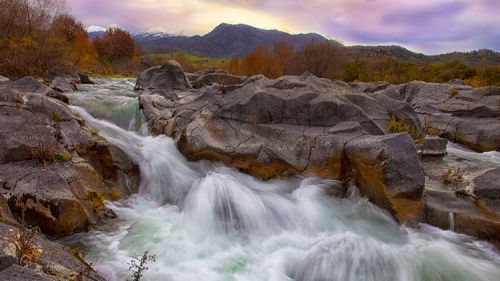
54 173
462 114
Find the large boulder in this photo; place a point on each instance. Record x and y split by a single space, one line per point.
167 76
296 124
3 79
387 170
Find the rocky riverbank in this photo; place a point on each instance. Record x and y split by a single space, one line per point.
55 175
307 125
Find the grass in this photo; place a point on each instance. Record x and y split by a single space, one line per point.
94 132
63 156
57 117
452 176
453 92
399 125
26 250
42 149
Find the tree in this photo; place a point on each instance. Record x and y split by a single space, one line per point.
115 45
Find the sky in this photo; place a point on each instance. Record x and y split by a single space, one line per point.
428 26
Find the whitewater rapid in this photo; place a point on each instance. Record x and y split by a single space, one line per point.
204 221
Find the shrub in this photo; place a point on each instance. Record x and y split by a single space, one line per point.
138 265
63 156
452 176
26 251
42 148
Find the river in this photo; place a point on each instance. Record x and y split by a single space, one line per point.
204 221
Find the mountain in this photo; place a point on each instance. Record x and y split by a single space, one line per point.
225 41
235 41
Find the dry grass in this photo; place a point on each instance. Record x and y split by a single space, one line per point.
42 148
452 176
399 125
57 117
453 92
26 250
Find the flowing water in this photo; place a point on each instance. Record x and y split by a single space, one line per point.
204 221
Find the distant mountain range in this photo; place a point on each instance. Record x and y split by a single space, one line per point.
235 41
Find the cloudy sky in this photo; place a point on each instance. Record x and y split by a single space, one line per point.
429 26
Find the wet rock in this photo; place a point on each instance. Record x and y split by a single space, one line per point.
386 169
58 96
85 79
63 84
167 76
461 214
433 146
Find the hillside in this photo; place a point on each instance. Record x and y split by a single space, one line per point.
235 41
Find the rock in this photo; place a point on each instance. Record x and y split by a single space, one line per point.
63 84
487 184
461 214
167 76
433 146
27 84
85 79
67 71
18 273
3 79
387 170
295 124
459 113
459 82
61 190
221 78
8 256
58 96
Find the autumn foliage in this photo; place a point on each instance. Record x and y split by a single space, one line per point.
39 35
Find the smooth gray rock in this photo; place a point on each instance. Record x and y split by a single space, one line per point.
3 79
433 146
459 113
487 184
63 84
27 84
387 170
167 76
221 78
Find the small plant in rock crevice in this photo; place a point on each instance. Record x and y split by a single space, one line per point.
399 125
63 156
94 132
137 266
451 175
42 148
26 250
57 117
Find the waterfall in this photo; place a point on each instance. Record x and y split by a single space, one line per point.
205 221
